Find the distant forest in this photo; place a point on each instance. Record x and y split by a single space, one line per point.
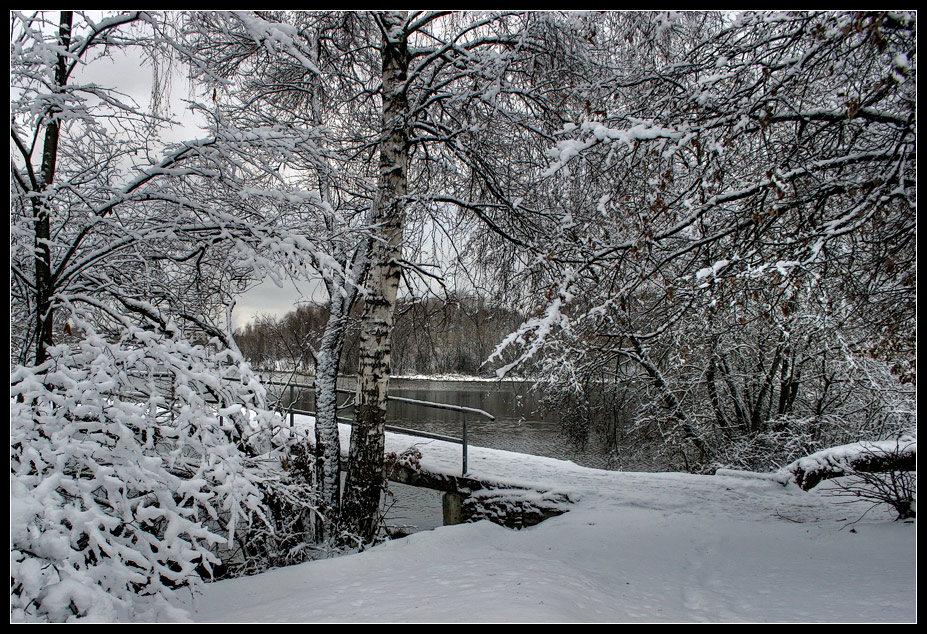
454 335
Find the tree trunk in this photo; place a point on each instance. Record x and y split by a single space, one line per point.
669 399
327 437
44 284
365 475
874 458
342 291
710 382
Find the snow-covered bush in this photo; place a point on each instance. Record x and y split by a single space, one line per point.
896 488
129 467
138 440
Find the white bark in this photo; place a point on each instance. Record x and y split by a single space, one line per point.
365 478
327 437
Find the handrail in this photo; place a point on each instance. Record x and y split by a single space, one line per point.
393 428
401 399
432 404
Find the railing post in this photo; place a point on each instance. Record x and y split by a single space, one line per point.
292 401
464 471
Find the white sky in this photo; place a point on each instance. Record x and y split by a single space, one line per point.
269 299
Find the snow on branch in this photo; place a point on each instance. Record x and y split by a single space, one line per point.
533 334
867 457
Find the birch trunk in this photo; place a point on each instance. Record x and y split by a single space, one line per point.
327 437
365 480
342 291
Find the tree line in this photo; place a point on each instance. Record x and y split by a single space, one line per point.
430 337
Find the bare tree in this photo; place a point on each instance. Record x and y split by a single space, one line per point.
747 201
422 97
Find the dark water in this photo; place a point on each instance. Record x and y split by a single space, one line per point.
519 425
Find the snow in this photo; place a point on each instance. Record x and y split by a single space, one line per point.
838 456
901 61
711 271
457 378
634 547
596 132
809 470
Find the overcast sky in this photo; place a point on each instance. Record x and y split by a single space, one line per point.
268 299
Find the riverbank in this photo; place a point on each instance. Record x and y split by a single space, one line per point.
636 547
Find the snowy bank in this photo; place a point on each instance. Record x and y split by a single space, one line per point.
636 547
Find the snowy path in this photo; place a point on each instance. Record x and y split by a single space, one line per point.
636 547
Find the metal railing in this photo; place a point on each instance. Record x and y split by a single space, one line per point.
292 411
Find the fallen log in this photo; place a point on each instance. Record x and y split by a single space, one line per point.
863 457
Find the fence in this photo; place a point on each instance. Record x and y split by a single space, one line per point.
291 410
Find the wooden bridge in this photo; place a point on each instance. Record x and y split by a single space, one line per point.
464 498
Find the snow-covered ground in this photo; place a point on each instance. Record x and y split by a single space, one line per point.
635 547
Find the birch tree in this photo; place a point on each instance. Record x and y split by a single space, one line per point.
420 97
364 484
450 83
310 73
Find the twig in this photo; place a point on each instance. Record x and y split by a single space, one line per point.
780 515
